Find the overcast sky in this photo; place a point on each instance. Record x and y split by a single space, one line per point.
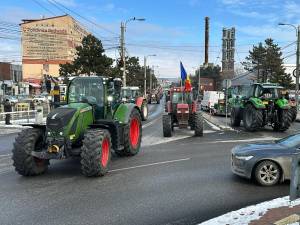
173 30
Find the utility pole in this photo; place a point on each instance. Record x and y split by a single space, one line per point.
145 75
297 66
122 42
151 76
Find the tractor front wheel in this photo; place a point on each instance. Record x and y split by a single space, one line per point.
25 164
95 152
253 118
133 134
167 125
198 124
235 118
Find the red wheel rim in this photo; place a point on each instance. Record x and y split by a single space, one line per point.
134 132
105 152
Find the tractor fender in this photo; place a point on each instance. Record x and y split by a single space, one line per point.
123 112
282 103
257 103
139 101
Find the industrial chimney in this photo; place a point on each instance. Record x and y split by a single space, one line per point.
206 40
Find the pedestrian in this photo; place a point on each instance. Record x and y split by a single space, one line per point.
7 109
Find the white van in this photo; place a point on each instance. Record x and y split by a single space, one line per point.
210 98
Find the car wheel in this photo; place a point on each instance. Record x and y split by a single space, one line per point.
267 173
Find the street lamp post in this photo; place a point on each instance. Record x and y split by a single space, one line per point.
145 73
297 28
122 42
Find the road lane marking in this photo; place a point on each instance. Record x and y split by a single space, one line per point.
150 164
7 155
242 140
150 123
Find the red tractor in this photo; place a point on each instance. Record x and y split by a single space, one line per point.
181 111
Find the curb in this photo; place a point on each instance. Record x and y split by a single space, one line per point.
221 127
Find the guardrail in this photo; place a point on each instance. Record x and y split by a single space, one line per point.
19 116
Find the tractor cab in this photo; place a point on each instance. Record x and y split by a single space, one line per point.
130 94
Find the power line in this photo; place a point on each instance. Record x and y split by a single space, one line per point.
45 8
82 17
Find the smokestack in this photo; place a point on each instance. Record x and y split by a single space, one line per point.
206 40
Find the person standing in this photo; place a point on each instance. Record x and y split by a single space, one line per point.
7 109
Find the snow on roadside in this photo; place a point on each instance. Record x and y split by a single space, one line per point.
245 215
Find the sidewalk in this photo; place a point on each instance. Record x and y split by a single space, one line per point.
279 211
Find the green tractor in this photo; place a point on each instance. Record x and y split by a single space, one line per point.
133 95
92 123
259 105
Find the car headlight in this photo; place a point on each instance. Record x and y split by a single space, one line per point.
246 158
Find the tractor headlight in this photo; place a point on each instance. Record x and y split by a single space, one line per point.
110 98
124 99
60 133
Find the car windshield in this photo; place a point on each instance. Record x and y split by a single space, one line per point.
290 141
81 89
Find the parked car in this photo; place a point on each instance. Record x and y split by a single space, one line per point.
268 163
210 98
44 97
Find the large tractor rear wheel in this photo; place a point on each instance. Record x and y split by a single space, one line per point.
144 109
25 164
235 119
198 121
252 118
167 125
132 134
293 112
283 121
95 152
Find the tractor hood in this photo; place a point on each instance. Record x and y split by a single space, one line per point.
60 117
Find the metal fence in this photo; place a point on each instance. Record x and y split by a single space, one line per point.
24 113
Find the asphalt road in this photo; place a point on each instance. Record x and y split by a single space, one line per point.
178 180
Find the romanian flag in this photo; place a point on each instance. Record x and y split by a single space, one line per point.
187 84
185 78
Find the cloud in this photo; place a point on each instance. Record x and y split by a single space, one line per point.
291 9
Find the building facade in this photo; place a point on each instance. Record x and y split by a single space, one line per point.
48 42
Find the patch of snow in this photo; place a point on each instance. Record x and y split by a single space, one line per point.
246 215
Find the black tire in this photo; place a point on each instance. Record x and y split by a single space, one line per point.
283 121
198 124
235 118
95 155
267 173
167 125
252 118
132 145
27 141
293 112
145 111
192 121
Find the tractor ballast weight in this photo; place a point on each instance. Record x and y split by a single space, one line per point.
181 111
259 105
94 121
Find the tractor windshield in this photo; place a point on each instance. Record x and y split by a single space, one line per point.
127 93
87 88
266 92
179 97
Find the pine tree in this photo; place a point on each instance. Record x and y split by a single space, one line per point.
266 59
